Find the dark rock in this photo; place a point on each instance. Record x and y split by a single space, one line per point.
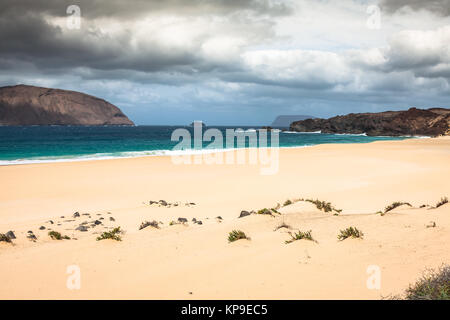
199 222
86 214
163 203
244 214
50 221
32 237
431 122
82 228
101 218
112 219
97 222
62 217
10 235
182 220
194 220
153 202
29 105
29 231
219 217
76 214
41 228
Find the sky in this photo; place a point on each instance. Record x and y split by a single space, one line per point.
232 62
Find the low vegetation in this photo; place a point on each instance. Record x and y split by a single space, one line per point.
323 205
264 211
301 235
146 224
237 235
350 232
442 202
433 285
282 225
55 235
4 238
274 210
113 235
287 202
394 205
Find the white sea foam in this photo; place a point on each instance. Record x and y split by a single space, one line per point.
312 132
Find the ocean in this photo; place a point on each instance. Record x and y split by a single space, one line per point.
35 144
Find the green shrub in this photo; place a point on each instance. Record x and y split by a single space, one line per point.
274 210
113 235
5 238
264 211
237 235
433 285
323 205
300 235
57 236
287 202
394 205
350 232
442 202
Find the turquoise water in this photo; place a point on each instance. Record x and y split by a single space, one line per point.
62 143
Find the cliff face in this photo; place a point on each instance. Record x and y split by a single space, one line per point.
28 105
431 122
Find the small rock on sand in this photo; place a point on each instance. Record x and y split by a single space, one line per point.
199 222
41 228
76 214
244 214
31 236
10 235
112 219
163 203
97 222
182 220
82 228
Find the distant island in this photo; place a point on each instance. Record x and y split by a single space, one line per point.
23 105
427 122
284 121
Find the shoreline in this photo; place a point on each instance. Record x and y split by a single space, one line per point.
169 153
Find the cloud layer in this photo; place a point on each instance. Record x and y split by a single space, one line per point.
231 61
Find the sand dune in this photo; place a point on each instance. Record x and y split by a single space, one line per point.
192 261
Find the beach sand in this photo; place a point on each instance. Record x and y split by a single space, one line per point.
194 261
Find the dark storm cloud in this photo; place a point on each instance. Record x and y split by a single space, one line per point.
440 7
26 34
135 8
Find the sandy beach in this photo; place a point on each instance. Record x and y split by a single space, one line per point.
193 261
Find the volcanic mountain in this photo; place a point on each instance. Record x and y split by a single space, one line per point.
23 105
